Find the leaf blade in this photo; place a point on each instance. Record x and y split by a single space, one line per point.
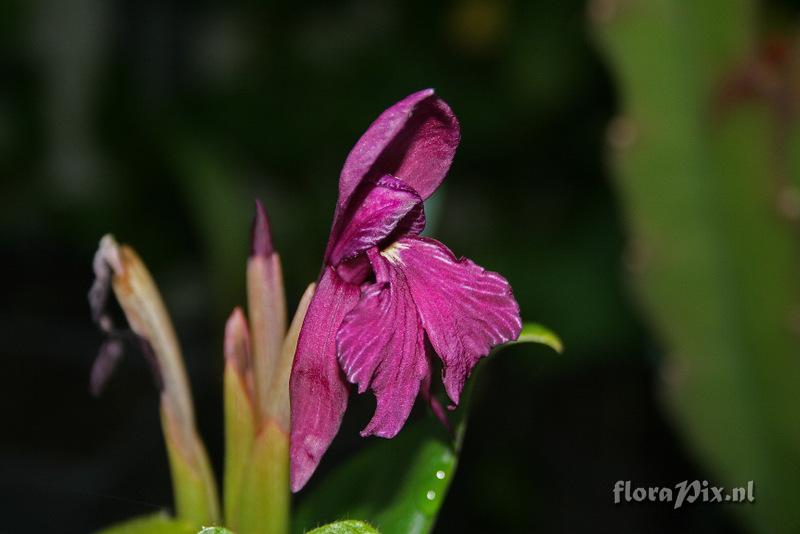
537 333
349 526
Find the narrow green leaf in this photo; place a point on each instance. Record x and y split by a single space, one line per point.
239 435
536 333
264 499
215 530
159 523
349 526
192 477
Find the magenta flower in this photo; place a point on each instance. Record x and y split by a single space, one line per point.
384 289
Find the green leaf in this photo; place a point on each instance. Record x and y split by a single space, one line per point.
399 485
536 333
192 477
349 526
264 499
215 530
159 523
239 436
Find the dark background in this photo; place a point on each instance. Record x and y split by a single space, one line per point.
162 121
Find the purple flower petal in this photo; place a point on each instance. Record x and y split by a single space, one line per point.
414 140
381 347
465 309
435 406
388 206
317 389
108 357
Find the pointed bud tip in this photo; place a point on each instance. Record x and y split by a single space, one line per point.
237 338
237 322
261 244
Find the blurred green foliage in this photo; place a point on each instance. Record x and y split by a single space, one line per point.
705 179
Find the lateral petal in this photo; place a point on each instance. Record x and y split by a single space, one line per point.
317 390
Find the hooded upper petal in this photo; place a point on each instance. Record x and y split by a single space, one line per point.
381 347
414 140
464 309
317 390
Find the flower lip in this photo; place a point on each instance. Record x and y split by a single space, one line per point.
381 345
421 290
465 309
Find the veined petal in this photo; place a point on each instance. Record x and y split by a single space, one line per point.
381 347
388 205
414 140
434 404
464 309
317 390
